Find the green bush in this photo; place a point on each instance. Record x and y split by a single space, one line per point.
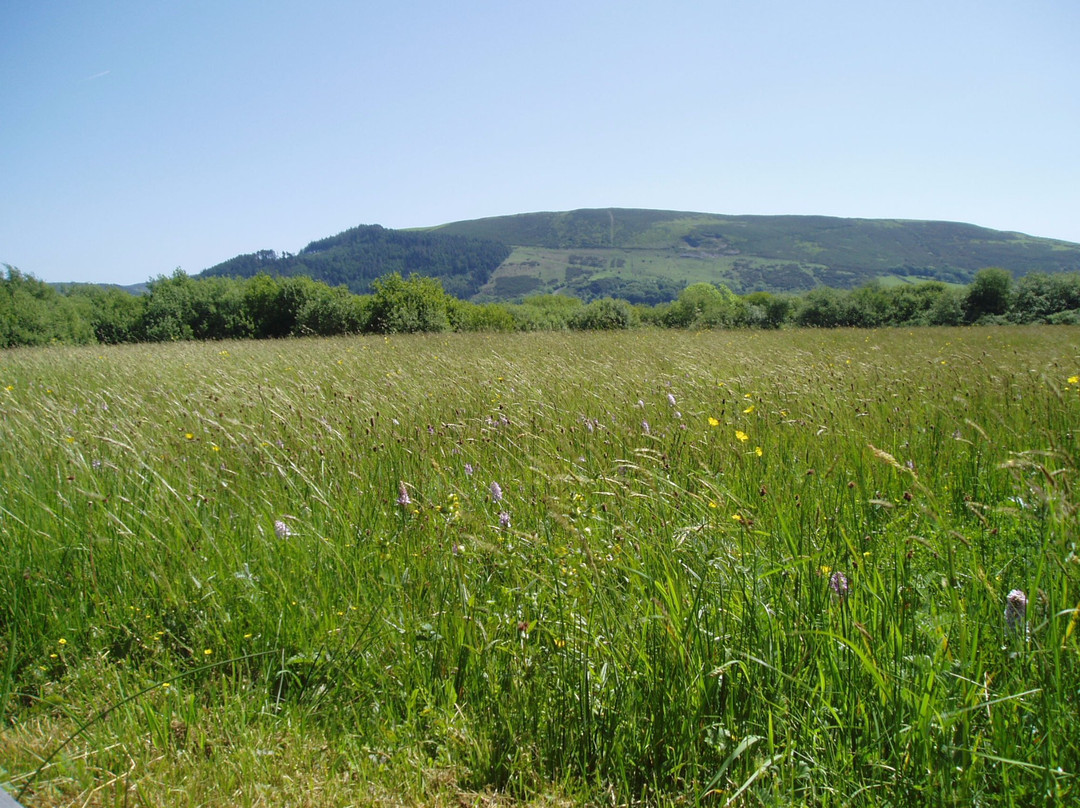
402 306
33 313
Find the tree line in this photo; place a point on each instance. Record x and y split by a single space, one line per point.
358 256
179 307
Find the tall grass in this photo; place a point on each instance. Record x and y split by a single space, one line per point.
724 568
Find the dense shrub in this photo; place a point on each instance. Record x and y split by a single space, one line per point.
605 314
408 306
466 316
33 313
988 294
706 305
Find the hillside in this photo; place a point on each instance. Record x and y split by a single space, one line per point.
358 256
615 251
647 256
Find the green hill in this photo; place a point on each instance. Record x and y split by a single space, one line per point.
647 256
613 251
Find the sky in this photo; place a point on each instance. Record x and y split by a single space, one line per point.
139 136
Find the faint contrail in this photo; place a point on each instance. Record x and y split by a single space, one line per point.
98 75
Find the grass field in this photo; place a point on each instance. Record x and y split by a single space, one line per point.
723 568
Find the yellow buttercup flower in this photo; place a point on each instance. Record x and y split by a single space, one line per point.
713 421
1072 380
742 436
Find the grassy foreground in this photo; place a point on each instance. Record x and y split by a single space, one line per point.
766 568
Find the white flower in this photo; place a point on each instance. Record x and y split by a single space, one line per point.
1016 611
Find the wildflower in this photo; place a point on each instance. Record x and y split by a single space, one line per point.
749 409
504 520
742 436
671 399
1016 611
281 530
468 469
645 427
758 451
62 641
403 495
838 583
496 492
1072 380
713 421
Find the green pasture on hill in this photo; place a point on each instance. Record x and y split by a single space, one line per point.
638 568
538 270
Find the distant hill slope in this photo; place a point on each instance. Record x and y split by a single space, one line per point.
358 256
647 256
609 251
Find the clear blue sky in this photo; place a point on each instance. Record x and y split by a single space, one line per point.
141 135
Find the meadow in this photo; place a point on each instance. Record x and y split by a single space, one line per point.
634 568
